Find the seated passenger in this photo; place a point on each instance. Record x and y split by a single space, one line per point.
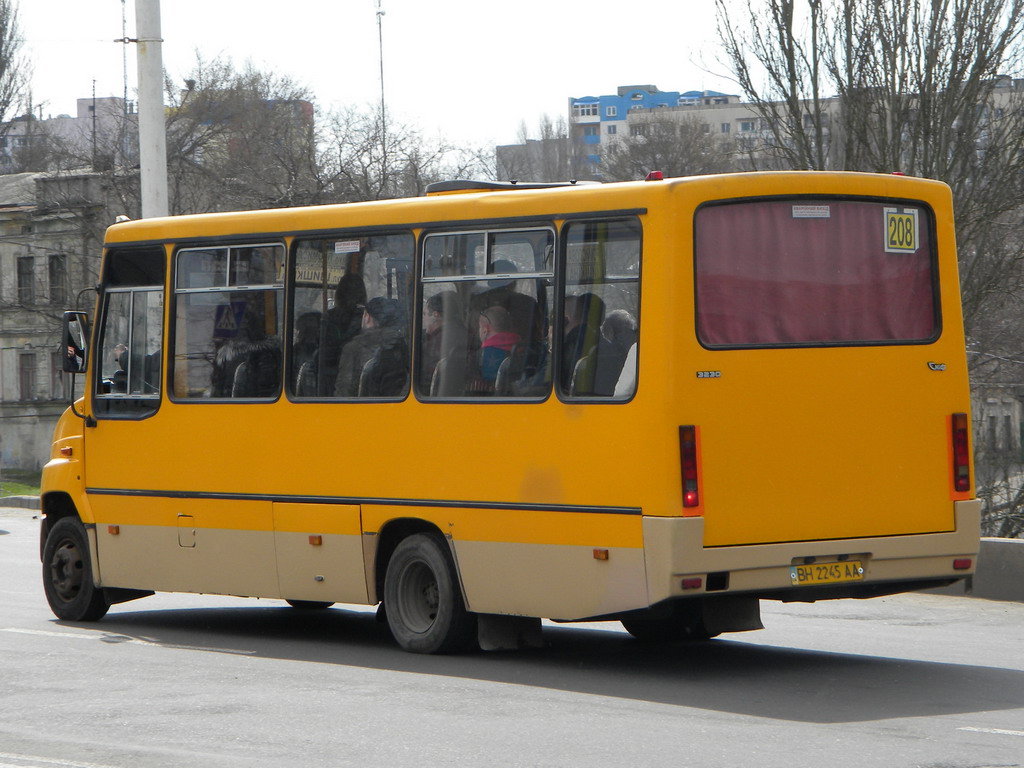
304 353
583 317
618 334
382 337
525 315
342 323
496 341
444 334
249 363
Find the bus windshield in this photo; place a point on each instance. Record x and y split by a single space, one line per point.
814 272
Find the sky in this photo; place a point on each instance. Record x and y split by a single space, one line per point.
469 71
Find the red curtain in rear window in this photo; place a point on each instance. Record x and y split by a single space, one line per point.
813 272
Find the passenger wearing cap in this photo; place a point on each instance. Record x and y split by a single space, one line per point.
381 338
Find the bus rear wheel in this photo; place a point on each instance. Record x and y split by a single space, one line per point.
67 574
684 623
422 598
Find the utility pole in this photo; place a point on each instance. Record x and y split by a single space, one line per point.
383 117
152 129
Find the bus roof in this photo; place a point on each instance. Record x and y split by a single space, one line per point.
462 202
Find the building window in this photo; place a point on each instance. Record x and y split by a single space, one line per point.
27 375
58 278
611 112
746 126
613 129
26 284
726 127
586 110
591 130
56 376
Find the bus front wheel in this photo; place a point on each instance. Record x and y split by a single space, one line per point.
67 574
422 598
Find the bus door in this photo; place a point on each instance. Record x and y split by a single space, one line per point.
166 476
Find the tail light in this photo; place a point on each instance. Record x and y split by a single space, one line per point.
961 453
688 462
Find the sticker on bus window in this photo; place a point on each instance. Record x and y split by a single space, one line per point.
346 246
812 212
901 233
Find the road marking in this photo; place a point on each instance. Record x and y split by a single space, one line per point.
1000 731
33 761
109 638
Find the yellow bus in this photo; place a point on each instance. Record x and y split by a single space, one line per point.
655 402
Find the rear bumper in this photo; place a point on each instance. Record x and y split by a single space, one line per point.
674 552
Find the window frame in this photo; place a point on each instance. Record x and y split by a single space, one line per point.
121 406
25 281
481 228
171 312
933 259
561 389
291 285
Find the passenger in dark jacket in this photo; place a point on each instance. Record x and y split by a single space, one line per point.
381 341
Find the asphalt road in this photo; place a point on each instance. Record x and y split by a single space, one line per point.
187 680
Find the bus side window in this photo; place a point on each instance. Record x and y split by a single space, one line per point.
598 338
228 321
130 335
351 301
487 299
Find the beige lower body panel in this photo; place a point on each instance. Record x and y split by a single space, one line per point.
330 571
550 580
224 562
233 562
674 548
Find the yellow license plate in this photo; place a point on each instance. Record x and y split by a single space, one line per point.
826 573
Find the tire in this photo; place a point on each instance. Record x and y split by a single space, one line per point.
308 605
685 623
422 598
67 574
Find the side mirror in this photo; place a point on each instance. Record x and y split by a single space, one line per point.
74 349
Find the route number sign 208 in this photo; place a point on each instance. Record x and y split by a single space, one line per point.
901 230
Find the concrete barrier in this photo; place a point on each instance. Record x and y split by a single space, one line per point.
999 575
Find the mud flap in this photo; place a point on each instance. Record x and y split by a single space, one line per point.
508 633
733 613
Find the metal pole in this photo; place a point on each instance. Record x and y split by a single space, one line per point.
152 131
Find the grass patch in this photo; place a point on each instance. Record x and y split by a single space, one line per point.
18 482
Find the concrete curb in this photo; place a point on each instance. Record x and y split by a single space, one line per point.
999 576
20 502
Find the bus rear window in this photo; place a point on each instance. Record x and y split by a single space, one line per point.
814 272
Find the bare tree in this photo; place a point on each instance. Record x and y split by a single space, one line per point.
675 147
241 139
373 157
14 69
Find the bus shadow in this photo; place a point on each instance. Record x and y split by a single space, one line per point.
720 675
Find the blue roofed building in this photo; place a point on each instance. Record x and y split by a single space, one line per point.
599 120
